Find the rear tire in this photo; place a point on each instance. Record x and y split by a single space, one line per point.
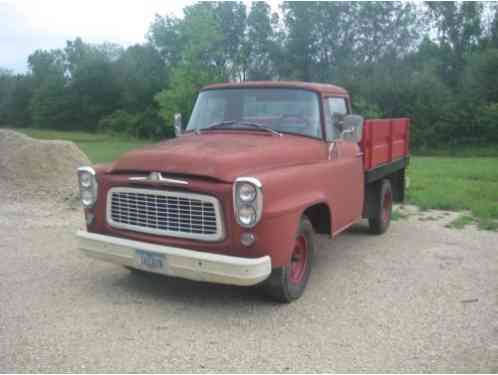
383 208
287 283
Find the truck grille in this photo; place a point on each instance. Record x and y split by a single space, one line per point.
169 213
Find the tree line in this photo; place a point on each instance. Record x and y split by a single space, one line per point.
435 62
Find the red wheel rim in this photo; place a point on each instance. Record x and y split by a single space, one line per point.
386 206
299 260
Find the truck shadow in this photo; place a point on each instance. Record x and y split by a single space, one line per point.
154 288
360 228
182 290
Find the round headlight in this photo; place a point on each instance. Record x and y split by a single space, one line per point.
247 192
87 198
247 215
247 201
86 179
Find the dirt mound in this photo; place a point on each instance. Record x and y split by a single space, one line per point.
37 169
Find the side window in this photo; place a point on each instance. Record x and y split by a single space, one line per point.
337 109
338 105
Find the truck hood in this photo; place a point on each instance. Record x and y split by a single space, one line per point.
222 155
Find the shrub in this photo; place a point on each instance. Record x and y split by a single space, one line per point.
488 122
147 124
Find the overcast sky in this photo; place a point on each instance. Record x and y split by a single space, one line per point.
26 25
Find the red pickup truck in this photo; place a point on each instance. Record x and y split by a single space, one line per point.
238 195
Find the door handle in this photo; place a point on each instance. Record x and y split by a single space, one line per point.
359 154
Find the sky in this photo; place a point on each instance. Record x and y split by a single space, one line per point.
27 25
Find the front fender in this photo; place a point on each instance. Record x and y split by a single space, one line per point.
287 194
293 189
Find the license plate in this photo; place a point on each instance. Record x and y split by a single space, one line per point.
150 261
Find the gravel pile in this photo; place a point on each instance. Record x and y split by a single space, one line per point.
32 169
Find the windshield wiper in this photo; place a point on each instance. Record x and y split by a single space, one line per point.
216 125
241 124
259 126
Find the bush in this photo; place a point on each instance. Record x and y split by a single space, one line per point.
366 109
180 97
118 122
488 122
147 124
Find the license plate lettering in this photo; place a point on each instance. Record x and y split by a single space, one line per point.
150 261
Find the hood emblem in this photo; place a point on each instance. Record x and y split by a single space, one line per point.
155 176
158 177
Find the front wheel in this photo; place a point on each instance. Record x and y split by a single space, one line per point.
287 284
383 210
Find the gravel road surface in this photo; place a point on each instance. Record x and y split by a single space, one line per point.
420 298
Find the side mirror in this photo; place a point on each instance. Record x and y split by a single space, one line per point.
178 124
353 128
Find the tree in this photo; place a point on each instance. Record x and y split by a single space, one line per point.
47 65
139 74
479 95
180 97
326 41
480 81
166 37
385 29
50 107
49 103
15 94
300 18
231 19
436 63
203 59
92 89
458 27
494 29
259 46
210 35
6 91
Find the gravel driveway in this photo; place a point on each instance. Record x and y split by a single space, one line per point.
420 298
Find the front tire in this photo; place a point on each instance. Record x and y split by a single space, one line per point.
136 271
287 283
383 208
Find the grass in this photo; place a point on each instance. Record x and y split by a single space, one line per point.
100 148
456 184
461 222
459 151
397 215
436 182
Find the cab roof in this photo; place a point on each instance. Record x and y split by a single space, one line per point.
317 87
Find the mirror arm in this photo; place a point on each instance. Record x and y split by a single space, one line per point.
346 131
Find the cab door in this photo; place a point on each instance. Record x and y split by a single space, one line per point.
345 167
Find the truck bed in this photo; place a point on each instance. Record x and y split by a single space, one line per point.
384 142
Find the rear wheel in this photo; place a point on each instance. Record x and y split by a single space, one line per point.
383 208
287 283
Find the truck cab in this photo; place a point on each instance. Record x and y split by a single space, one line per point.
238 196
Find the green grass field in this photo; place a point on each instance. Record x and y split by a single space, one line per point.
438 182
100 148
457 184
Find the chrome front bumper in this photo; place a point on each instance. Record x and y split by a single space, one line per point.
184 263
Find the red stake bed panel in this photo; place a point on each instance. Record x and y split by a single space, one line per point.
384 141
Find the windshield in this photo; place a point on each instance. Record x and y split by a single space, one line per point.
284 110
